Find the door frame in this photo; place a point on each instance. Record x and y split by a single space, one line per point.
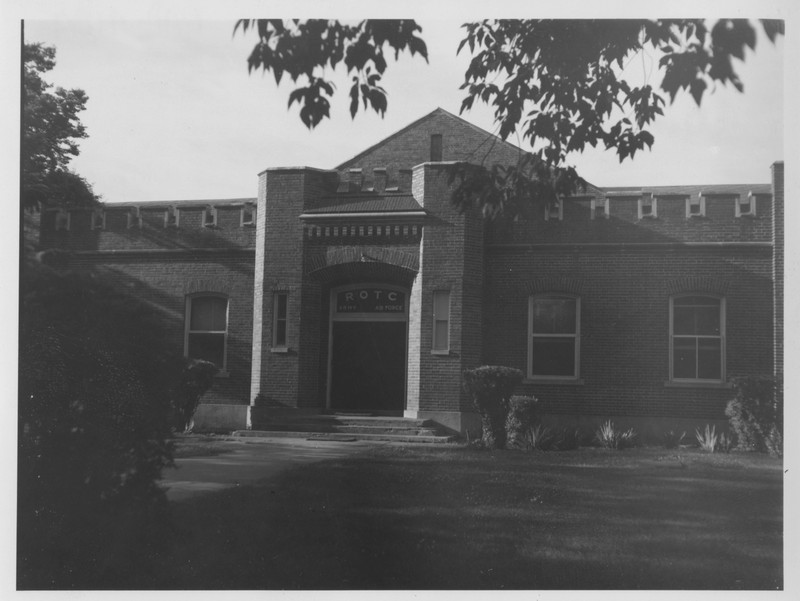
364 317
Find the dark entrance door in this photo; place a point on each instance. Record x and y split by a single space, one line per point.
368 365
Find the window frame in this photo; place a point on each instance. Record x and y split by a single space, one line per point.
596 204
721 337
134 215
210 210
575 377
751 212
653 203
445 350
252 207
175 212
277 346
701 203
190 298
63 220
98 219
554 212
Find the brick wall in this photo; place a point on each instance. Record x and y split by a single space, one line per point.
624 321
452 260
461 141
164 279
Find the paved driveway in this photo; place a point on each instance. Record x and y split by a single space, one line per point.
248 462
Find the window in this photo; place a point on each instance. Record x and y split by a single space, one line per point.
554 337
171 217
248 214
554 211
62 220
98 219
134 217
647 207
746 207
695 206
210 217
279 313
207 328
441 321
697 338
436 147
599 208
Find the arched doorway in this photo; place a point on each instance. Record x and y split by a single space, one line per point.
368 341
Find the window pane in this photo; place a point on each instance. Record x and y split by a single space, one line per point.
709 359
436 147
696 315
209 313
281 306
210 347
280 332
553 356
707 320
440 334
683 321
554 315
684 363
441 305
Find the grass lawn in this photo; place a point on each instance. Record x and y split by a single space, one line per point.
458 518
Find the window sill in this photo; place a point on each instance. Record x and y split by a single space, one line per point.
561 381
441 353
697 384
223 373
280 350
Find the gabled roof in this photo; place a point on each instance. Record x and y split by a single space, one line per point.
436 112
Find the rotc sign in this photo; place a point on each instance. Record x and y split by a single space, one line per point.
370 300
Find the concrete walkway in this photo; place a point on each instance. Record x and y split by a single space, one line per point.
249 462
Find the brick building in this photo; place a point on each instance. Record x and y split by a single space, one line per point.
363 289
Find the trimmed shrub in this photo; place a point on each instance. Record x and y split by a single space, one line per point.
519 421
196 379
94 424
756 415
490 387
609 437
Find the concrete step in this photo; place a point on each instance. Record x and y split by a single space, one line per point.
338 436
344 420
357 426
346 429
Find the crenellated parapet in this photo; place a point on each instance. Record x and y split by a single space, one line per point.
152 225
740 214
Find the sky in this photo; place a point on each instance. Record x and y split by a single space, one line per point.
174 114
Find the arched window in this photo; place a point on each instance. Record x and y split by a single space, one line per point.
697 338
207 328
554 337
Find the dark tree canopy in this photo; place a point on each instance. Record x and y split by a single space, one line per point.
305 49
51 130
559 83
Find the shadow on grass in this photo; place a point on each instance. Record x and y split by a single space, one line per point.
400 518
